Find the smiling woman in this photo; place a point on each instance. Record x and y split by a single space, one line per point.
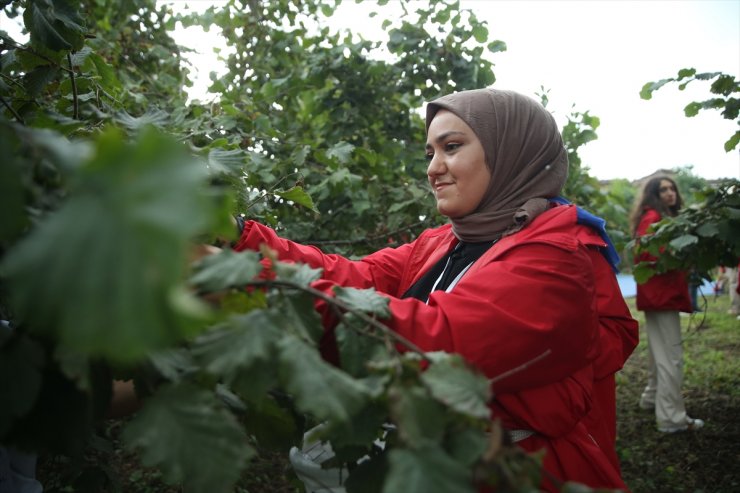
513 280
457 168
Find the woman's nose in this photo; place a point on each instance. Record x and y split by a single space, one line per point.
435 166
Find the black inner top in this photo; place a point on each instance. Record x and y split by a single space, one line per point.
459 258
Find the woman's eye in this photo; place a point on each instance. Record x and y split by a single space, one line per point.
452 146
429 156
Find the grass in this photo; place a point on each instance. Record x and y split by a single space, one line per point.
691 462
705 461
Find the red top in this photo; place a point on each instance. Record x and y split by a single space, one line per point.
668 291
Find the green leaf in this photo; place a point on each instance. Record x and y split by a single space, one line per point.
173 364
356 350
707 75
226 269
66 154
156 117
468 445
454 384
238 344
297 195
299 155
108 267
341 151
647 90
191 438
365 300
642 272
442 16
80 57
107 74
480 33
497 46
318 388
226 160
36 81
686 72
21 364
12 203
725 85
732 142
273 426
298 315
683 241
427 470
301 274
707 230
358 434
420 418
41 28
692 109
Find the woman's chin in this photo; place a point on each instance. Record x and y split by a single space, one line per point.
450 214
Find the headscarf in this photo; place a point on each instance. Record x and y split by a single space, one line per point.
524 152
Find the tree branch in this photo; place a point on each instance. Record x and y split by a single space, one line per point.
10 108
12 81
366 240
519 368
34 53
75 102
270 191
344 307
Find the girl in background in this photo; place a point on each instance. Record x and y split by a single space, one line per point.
662 297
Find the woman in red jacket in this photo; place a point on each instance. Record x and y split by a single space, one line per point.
662 297
512 277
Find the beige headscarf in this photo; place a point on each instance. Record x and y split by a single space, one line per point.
524 151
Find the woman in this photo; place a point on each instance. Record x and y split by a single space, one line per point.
512 277
662 297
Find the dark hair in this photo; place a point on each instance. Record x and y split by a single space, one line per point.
650 199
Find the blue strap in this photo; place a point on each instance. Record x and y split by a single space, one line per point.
597 224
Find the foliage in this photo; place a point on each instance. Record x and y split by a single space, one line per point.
101 204
690 185
704 235
619 196
700 238
290 80
110 177
723 88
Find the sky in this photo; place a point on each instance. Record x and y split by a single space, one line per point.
595 56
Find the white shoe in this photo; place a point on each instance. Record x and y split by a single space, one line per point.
692 424
646 404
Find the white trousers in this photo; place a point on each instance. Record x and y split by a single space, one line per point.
665 369
734 297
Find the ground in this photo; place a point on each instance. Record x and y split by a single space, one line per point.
705 461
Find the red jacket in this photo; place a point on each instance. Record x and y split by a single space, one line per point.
532 292
619 337
668 291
